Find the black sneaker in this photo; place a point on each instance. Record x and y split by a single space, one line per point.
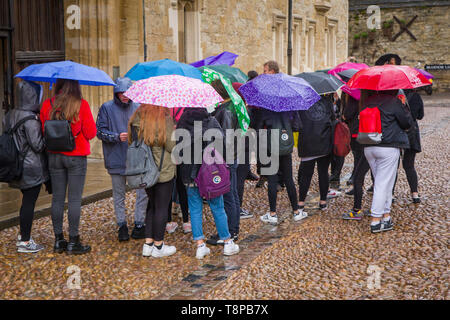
376 228
138 232
123 233
322 206
75 247
350 182
387 225
60 244
235 237
215 240
260 182
350 193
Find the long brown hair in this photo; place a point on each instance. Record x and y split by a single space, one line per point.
154 124
67 100
366 94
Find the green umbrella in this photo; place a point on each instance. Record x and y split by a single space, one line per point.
232 73
323 70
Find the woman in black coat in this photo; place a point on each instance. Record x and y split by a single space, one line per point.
416 106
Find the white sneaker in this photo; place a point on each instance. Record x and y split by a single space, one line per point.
202 251
171 227
187 228
333 194
165 251
269 219
230 248
147 250
300 215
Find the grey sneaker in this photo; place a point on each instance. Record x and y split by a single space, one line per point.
387 225
30 247
245 214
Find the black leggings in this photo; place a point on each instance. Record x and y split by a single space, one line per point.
361 168
408 165
242 173
306 172
159 199
358 152
286 170
29 199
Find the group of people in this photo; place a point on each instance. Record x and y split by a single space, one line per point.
121 121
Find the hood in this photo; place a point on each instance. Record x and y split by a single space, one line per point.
29 95
122 85
190 115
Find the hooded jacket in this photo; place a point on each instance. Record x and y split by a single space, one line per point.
316 129
351 112
112 120
416 106
395 120
28 136
189 171
227 119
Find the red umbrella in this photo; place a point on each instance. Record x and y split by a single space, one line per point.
388 77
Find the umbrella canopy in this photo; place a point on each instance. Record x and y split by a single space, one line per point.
387 57
232 73
225 57
347 74
323 83
425 73
173 91
388 77
279 92
347 65
145 70
323 70
50 72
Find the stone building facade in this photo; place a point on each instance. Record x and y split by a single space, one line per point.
430 27
113 35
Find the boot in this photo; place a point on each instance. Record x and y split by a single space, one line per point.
60 243
75 246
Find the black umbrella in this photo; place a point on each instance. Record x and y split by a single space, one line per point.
387 57
347 74
322 82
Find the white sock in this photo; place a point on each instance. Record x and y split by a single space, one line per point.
387 219
200 245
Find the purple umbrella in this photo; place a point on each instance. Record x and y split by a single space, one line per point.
225 57
279 92
425 73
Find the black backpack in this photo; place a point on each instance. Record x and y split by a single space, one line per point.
58 135
286 137
11 159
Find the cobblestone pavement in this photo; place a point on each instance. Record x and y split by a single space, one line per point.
322 257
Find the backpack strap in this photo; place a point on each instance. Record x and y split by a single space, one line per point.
21 122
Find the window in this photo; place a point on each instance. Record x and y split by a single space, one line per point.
331 43
296 45
279 28
310 35
188 36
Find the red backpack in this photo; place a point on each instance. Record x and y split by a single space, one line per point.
369 126
342 138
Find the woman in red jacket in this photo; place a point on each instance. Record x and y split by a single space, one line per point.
68 169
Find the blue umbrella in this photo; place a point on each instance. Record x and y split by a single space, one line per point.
279 92
50 72
163 67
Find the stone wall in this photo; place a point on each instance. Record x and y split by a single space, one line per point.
431 28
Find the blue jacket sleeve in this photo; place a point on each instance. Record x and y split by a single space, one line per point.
103 132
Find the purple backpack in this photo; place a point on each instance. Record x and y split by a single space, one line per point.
213 179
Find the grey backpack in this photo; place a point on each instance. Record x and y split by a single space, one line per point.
141 171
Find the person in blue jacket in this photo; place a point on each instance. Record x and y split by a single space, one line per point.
112 129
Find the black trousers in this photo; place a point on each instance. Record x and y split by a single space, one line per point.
29 199
361 168
306 172
242 173
358 152
159 199
409 158
336 166
286 172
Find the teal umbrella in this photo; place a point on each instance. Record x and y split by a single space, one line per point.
145 70
232 73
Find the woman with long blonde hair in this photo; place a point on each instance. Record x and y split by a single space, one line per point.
154 126
68 169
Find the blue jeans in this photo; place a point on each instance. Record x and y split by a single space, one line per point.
231 202
195 202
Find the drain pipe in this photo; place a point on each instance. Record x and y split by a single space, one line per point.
289 48
145 33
